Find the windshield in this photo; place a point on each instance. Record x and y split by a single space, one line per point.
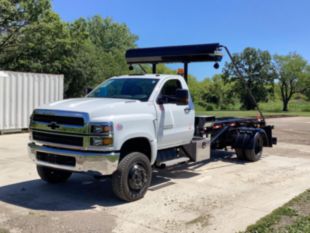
125 88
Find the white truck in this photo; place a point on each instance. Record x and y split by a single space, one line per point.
131 124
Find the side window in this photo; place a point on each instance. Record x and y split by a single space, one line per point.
168 91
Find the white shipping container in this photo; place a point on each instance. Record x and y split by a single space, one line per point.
21 92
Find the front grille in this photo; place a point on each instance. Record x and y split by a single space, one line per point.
56 159
59 139
59 119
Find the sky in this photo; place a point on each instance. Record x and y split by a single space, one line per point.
279 26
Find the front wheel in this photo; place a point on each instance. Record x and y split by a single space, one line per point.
52 175
133 177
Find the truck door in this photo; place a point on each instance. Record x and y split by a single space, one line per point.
175 122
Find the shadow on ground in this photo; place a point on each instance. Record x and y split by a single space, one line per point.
82 192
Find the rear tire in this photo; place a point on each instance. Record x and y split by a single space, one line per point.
52 175
240 153
133 177
255 154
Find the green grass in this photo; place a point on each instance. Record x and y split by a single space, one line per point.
250 113
290 218
294 106
270 109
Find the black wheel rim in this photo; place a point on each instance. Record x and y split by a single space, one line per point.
137 177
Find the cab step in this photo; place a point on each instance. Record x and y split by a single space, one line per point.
172 162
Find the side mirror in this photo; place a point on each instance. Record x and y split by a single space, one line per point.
181 97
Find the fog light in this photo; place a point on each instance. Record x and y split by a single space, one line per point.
97 141
101 141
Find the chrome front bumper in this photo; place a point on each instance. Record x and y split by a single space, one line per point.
103 163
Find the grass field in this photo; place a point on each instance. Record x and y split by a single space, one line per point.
250 113
293 217
294 106
270 109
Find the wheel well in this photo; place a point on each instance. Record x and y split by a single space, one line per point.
136 145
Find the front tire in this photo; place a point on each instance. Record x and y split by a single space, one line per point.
133 177
52 175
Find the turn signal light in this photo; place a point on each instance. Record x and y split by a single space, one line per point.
107 141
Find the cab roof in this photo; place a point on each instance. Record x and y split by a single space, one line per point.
153 76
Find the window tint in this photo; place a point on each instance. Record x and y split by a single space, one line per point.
125 88
170 87
168 91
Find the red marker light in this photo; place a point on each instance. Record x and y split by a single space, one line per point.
217 126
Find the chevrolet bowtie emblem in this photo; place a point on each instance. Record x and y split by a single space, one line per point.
53 125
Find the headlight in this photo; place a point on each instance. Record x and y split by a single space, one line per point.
102 134
104 128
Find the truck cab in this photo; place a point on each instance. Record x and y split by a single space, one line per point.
141 113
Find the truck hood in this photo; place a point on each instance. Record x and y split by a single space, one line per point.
100 107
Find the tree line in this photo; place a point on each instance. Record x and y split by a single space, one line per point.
268 78
33 38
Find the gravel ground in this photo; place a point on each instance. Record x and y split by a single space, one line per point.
220 196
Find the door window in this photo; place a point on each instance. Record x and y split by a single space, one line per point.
169 89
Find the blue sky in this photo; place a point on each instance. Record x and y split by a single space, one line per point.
280 26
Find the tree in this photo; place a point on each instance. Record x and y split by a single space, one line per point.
35 39
258 74
305 82
100 46
42 44
215 93
223 93
291 73
196 90
16 16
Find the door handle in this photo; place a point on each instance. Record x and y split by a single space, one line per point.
187 109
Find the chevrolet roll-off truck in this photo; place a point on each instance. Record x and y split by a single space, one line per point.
132 124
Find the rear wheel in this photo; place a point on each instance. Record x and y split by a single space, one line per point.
257 151
133 177
52 175
240 153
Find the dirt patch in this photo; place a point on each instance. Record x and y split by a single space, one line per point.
202 221
302 204
284 222
37 221
294 216
4 230
292 129
223 196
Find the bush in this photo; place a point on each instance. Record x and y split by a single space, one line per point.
210 107
305 108
299 96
